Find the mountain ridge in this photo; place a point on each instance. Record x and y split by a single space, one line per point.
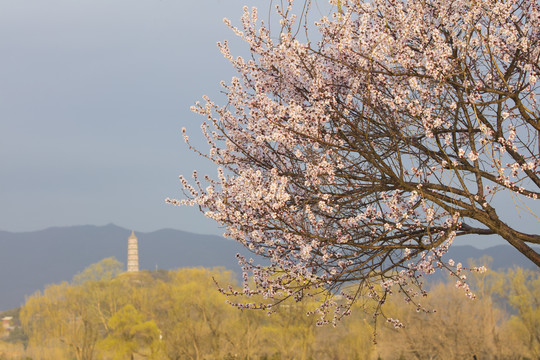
31 260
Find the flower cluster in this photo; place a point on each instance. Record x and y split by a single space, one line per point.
354 161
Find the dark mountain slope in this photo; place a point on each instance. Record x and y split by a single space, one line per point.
31 260
504 256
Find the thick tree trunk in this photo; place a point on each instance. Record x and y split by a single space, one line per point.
515 239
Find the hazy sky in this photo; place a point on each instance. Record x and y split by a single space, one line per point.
93 96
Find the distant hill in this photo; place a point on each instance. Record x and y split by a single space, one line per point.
31 260
504 256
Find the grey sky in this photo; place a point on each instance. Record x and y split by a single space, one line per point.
93 95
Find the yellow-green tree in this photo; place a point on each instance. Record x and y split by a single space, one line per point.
522 289
460 328
351 339
289 332
130 334
245 333
61 318
104 270
193 315
106 291
69 319
180 315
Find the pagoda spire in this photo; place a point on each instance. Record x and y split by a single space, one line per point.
133 253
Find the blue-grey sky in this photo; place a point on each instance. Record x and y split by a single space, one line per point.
93 96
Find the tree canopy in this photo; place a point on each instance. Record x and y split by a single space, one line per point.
358 157
173 315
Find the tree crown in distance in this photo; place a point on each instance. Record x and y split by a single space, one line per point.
358 159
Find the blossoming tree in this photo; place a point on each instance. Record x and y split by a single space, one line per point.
357 158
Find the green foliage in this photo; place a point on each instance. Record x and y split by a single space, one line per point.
104 270
522 289
181 315
129 334
11 351
17 336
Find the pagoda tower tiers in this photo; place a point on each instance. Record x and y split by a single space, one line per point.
133 254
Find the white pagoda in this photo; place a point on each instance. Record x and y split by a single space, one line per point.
133 254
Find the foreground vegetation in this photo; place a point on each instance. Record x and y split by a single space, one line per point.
106 314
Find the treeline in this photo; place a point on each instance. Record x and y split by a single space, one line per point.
106 314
